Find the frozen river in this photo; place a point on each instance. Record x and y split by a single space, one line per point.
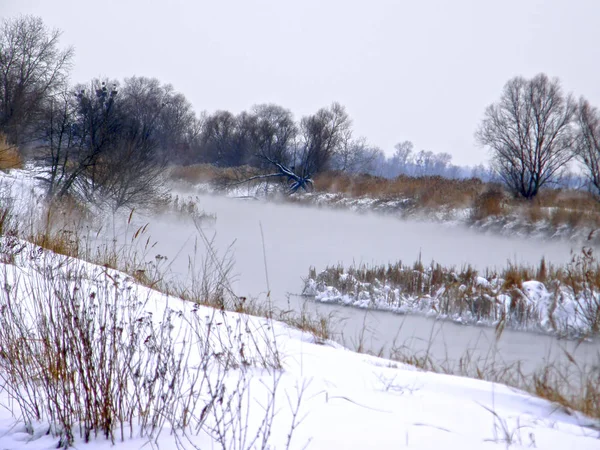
296 238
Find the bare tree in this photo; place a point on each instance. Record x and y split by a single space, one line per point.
102 144
95 127
322 135
265 133
442 164
587 143
403 153
355 156
178 129
218 141
133 167
57 132
401 162
32 69
165 112
424 163
274 133
529 132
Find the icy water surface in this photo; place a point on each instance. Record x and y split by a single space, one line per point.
296 238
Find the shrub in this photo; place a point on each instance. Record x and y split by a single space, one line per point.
10 157
491 203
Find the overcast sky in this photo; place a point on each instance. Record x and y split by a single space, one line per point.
413 70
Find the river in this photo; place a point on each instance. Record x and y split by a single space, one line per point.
298 237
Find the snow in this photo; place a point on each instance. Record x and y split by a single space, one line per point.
562 312
348 400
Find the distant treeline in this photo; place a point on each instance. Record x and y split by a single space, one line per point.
113 138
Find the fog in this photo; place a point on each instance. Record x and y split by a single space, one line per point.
296 238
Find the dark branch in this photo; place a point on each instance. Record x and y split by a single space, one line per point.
295 181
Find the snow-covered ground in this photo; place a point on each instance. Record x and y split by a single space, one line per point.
347 400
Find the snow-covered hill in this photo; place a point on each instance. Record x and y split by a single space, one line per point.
271 379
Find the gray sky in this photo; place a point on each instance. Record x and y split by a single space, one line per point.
405 70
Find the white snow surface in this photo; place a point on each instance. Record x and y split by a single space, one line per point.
351 401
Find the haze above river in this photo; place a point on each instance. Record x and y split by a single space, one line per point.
296 238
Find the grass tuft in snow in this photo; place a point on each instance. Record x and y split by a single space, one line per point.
92 353
563 300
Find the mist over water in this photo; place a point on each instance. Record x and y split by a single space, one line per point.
296 238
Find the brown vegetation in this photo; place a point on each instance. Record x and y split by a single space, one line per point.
10 157
497 297
207 173
555 207
426 191
568 385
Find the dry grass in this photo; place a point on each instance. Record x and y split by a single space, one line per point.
491 203
59 228
79 366
569 385
427 191
496 297
207 173
10 157
98 363
556 207
320 326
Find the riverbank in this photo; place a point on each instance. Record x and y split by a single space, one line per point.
241 381
555 215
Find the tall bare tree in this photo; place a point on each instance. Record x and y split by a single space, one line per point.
322 135
274 133
32 69
529 132
162 110
587 143
57 133
133 167
355 156
92 125
218 140
102 143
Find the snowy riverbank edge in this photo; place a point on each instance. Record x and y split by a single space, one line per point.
513 224
528 307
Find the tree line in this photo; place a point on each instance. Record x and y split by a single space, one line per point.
112 139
